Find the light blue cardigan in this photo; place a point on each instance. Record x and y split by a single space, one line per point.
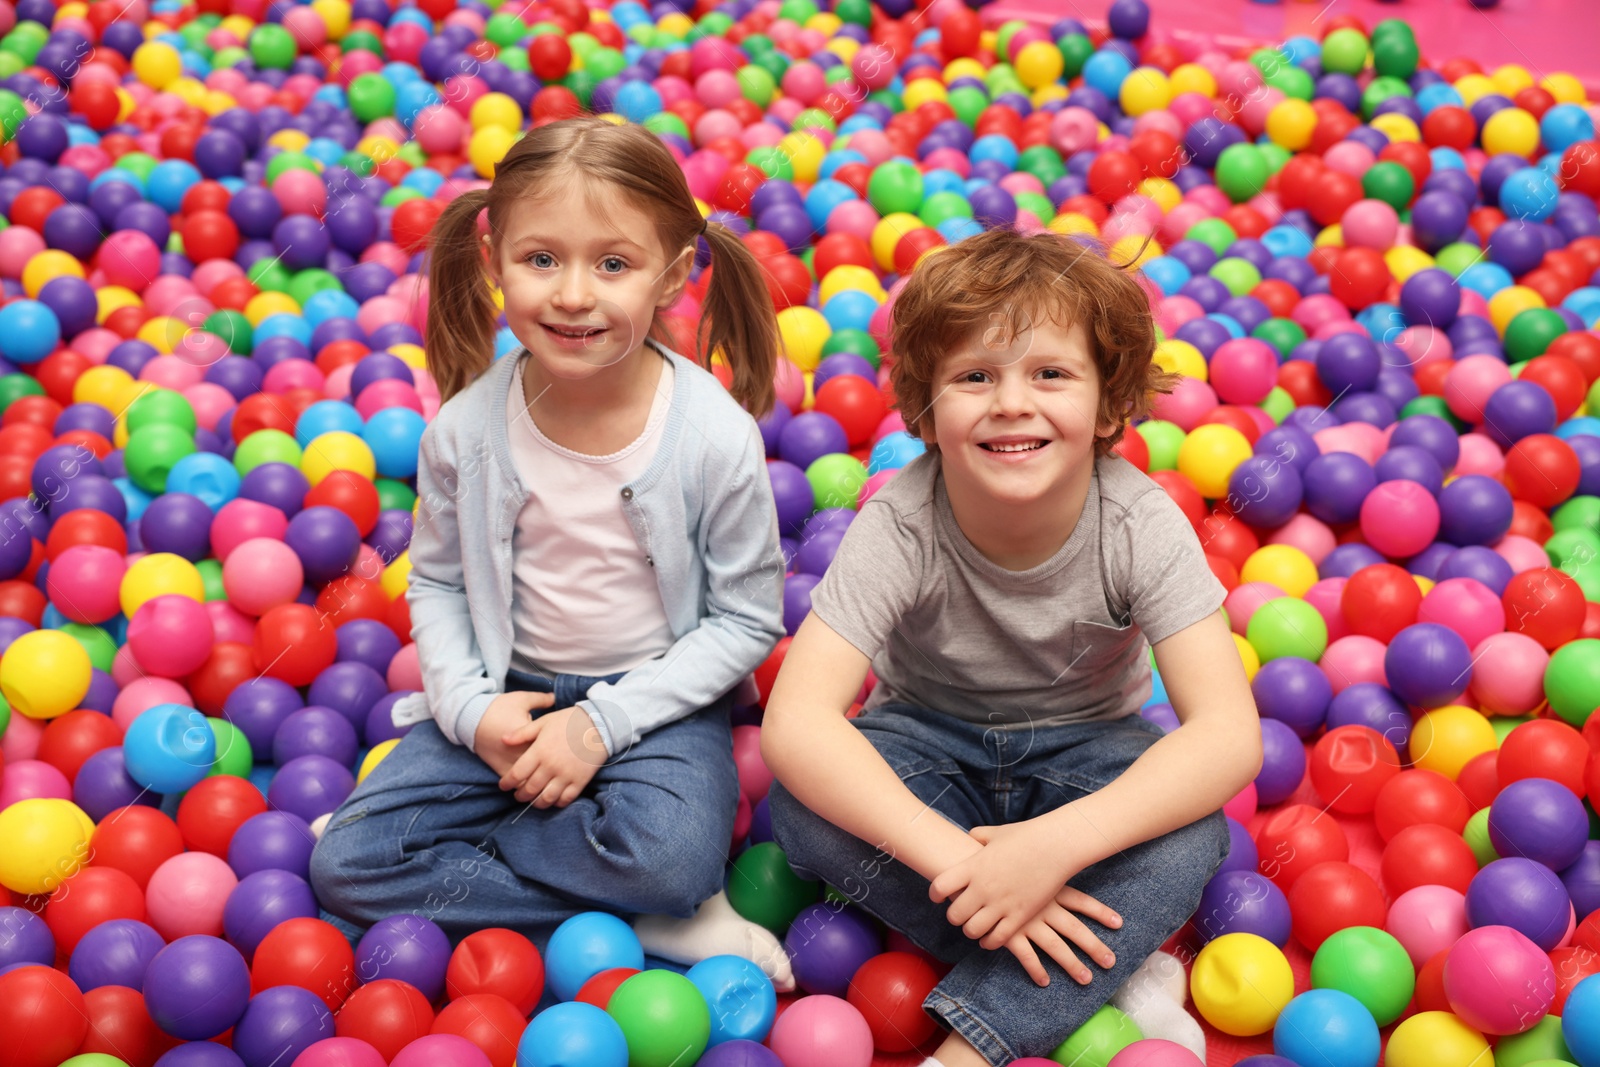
702 512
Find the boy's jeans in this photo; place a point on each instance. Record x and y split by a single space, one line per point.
973 774
430 832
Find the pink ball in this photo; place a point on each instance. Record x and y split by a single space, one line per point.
1074 129
405 672
874 66
761 135
186 895
292 374
853 217
240 520
300 192
1350 157
1399 518
1498 981
894 422
18 244
1242 808
790 384
1427 920
261 574
717 88
1317 310
210 402
1423 345
1479 455
1325 595
1370 224
170 295
1353 659
1358 438
96 344
873 483
1174 311
1508 674
21 739
1190 401
84 583
181 372
754 777
439 129
130 259
1244 600
1244 370
32 779
213 272
125 669
1180 219
171 635
1307 533
821 1031
704 170
387 393
1524 554
440 1050
339 1052
949 159
1466 606
1154 1052
804 81
142 694
873 144
379 311
1470 382
229 624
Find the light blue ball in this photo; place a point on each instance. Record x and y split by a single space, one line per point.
893 451
1329 1028
330 304
284 325
1565 125
585 945
1530 193
1580 1022
168 182
741 998
1106 70
823 197
394 435
572 1035
169 748
205 475
29 331
325 416
850 309
1168 273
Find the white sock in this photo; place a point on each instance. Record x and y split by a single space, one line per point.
1153 997
320 825
716 930
931 1062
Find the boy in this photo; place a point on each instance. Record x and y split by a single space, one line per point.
1004 587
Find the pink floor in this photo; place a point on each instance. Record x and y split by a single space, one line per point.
1545 36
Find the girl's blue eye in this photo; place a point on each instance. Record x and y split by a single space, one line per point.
541 259
613 265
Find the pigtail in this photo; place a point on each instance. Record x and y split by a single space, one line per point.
739 320
461 312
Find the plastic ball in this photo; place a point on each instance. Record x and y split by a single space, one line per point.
585 945
1241 983
1498 981
819 1031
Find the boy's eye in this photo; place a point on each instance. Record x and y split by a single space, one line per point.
974 376
542 260
1052 372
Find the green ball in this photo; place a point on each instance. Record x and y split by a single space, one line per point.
162 407
836 480
1241 172
1395 56
233 328
1239 275
399 195
1371 966
14 387
361 41
1378 91
1287 626
604 63
1213 233
797 10
895 185
968 102
1540 1043
151 453
1573 547
272 46
1075 51
371 97
1044 163
663 1015
1530 332
1294 82
756 84
1344 51
1579 513
102 648
1039 204
1093 1044
1275 155
1504 724
1390 182
94 1059
1457 257
1278 404
1572 680
308 283
265 446
394 496
772 161
1432 405
1476 835
211 578
1285 335
763 888
858 342
270 275
855 12
505 30
1163 439
814 118
233 750
5 715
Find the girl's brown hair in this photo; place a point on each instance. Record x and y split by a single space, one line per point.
738 320
1002 281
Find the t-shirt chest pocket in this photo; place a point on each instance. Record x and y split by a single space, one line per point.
1097 644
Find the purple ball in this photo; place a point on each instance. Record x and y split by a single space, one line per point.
1582 879
1412 464
1426 563
219 154
1336 484
93 492
316 731
1242 852
255 211
809 436
349 689
74 229
1430 433
1481 564
380 725
1524 895
1375 707
797 599
392 534
199 1053
197 987
1541 820
326 540
1516 410
177 523
1430 298
310 787
1283 765
367 641
791 491
407 948
817 551
1428 665
993 206
828 519
843 363
102 694
74 302
302 241
1349 363
1517 245
1265 492
57 468
827 944
1293 691
1243 902
279 1024
90 417
1474 509
260 902
258 707
739 1053
24 938
272 841
772 424
377 367
115 952
102 785
352 224
236 374
278 484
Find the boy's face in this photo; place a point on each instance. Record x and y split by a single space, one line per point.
1014 415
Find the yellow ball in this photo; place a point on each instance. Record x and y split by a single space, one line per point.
1447 739
1329 237
1564 87
825 23
45 844
337 450
411 355
1511 130
1240 983
47 266
496 109
1510 302
1291 124
805 154
1208 456
850 277
163 333
379 148
1437 1039
335 15
1247 656
104 385
159 574
1181 357
289 140
1146 89
1474 87
887 233
1284 566
1046 93
488 147
1039 63
237 25
1070 222
1424 584
1193 78
1511 79
804 332
843 47
375 757
44 673
111 298
1133 250
1397 127
965 67
1406 260
396 576
924 91
263 306
157 65
1164 191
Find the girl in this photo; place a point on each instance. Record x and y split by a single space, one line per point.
595 568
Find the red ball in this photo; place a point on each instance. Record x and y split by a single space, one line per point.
33 205
135 840
1427 854
1159 153
960 33
97 102
1479 780
352 597
1379 601
856 403
1113 175
1350 765
1561 377
352 494
1417 797
598 989
555 102
497 961
1582 348
413 222
85 526
1543 470
788 280
1132 448
888 991
1182 492
1580 168
41 411
74 737
294 644
229 665
490 1022
1450 127
25 439
1572 965
23 599
1296 838
910 248
1546 604
549 56
840 250
1360 277
211 811
209 235
1332 197
767 673
1430 994
312 954
386 1014
120 1026
1330 897
1222 534
399 619
42 1015
92 896
1543 748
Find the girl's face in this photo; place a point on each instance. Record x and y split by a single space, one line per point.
583 275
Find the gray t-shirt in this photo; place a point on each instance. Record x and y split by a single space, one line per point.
1065 641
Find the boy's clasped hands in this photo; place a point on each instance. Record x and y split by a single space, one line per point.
1012 894
548 760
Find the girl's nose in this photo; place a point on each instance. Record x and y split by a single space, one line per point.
574 292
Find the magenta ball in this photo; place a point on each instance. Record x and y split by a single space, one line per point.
1498 981
170 635
1466 606
339 1052
440 1050
1155 1052
1244 370
1399 518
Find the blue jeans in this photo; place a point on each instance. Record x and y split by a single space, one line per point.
430 832
975 774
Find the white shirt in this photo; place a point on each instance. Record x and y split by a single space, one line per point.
584 597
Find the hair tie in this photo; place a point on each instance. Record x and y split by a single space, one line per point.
703 223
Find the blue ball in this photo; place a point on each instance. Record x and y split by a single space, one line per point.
394 435
1105 71
1565 125
325 416
169 748
1327 1027
893 451
169 181
850 309
29 331
1530 193
742 1001
205 475
585 945
572 1035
